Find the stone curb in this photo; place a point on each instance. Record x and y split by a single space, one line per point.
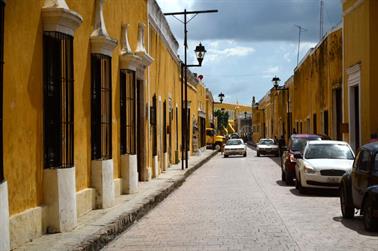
110 231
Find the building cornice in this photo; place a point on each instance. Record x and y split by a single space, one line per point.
161 26
57 16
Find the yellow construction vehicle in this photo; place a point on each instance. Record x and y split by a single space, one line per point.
212 139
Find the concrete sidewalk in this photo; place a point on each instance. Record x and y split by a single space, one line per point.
99 227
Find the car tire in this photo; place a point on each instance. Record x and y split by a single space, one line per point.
226 156
346 201
258 154
245 154
370 222
298 185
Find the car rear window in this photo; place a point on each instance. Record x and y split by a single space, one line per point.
266 142
298 144
234 142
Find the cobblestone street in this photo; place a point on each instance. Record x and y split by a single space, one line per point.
240 204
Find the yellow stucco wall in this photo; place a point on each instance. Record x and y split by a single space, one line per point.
360 40
165 82
23 92
314 80
23 126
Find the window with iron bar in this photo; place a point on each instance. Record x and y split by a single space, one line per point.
2 5
58 100
153 126
128 111
165 126
101 107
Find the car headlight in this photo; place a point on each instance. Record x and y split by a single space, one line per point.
309 170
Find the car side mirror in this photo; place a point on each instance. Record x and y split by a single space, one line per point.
298 156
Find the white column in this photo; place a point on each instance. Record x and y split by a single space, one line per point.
129 173
102 181
59 187
4 217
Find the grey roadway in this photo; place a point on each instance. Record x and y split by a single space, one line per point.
240 204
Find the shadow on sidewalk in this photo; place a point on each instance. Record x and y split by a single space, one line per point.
355 224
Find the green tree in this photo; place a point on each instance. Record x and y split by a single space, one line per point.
222 117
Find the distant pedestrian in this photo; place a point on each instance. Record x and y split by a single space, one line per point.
281 144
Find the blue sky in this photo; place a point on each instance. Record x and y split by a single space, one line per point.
248 42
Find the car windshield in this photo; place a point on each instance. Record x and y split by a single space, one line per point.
234 142
300 143
328 151
266 142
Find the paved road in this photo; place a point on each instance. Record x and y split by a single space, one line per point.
240 204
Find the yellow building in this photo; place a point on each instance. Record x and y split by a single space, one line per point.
240 117
91 106
360 36
310 100
317 81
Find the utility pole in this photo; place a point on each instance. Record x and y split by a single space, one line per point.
300 29
185 127
321 19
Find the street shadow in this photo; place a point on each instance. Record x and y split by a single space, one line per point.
282 183
356 224
312 192
277 160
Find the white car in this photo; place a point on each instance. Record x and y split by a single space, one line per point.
267 146
235 147
323 164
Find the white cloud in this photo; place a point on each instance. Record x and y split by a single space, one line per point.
215 54
175 5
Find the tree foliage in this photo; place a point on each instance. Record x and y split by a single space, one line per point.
222 118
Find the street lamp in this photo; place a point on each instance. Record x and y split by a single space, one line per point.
221 96
276 86
200 53
275 81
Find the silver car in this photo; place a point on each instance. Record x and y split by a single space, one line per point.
235 147
267 146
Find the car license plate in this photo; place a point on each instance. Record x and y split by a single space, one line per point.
332 180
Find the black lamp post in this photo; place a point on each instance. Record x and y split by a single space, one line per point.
276 86
200 53
221 96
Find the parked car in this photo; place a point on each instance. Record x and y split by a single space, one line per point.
359 188
267 146
295 146
323 164
234 136
235 147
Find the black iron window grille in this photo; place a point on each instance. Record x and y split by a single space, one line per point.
165 126
203 131
153 126
128 112
58 100
101 107
2 5
177 132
